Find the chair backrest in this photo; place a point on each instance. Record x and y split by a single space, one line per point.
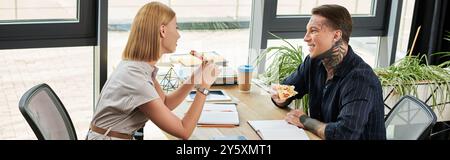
410 119
46 114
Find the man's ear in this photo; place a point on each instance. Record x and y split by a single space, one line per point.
162 31
337 36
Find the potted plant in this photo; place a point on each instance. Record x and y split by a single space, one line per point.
445 54
407 76
410 75
285 60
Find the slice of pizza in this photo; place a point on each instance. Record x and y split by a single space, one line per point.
197 54
285 91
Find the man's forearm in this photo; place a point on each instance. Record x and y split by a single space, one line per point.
313 125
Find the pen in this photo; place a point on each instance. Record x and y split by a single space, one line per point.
225 103
227 110
217 125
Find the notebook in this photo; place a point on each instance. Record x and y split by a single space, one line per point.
219 114
277 130
229 138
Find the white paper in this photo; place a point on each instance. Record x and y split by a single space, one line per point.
278 130
219 114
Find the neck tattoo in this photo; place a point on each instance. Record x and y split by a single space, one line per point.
331 62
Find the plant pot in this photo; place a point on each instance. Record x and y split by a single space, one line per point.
422 91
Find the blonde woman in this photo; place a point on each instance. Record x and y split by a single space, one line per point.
132 95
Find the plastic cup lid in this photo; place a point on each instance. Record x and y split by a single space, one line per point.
246 68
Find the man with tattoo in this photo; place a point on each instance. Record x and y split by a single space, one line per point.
345 95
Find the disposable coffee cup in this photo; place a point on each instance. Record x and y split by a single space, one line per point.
245 78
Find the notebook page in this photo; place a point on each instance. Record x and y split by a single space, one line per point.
278 130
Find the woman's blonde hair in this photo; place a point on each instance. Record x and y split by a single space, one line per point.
144 40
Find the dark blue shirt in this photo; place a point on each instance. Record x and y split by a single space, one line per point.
351 103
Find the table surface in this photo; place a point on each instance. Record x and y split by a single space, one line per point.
255 105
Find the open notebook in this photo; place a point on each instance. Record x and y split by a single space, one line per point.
219 114
277 130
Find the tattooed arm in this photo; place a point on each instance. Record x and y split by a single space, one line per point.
313 125
300 119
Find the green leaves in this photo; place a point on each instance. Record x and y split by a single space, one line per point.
442 55
286 59
408 73
447 37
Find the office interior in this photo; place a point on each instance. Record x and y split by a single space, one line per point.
74 45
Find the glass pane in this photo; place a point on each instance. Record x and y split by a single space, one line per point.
304 7
405 29
68 71
231 42
32 10
365 47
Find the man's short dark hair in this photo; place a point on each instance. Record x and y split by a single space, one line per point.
338 18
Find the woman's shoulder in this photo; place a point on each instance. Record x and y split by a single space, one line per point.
131 73
136 69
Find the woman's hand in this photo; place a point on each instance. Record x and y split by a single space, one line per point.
209 74
206 74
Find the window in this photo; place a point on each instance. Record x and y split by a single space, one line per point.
30 11
288 19
405 29
207 25
365 47
304 7
67 70
294 26
47 23
28 28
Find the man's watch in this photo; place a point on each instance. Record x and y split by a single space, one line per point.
201 89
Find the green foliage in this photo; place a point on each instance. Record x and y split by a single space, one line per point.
447 37
442 55
286 59
445 54
405 74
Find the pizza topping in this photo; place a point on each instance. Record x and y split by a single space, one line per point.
285 91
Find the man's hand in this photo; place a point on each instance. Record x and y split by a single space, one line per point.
293 117
275 96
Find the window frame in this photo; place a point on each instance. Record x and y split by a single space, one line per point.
41 34
293 26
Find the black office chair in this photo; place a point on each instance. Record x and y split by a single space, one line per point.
46 114
410 119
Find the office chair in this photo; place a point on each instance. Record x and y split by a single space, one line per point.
410 119
46 115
